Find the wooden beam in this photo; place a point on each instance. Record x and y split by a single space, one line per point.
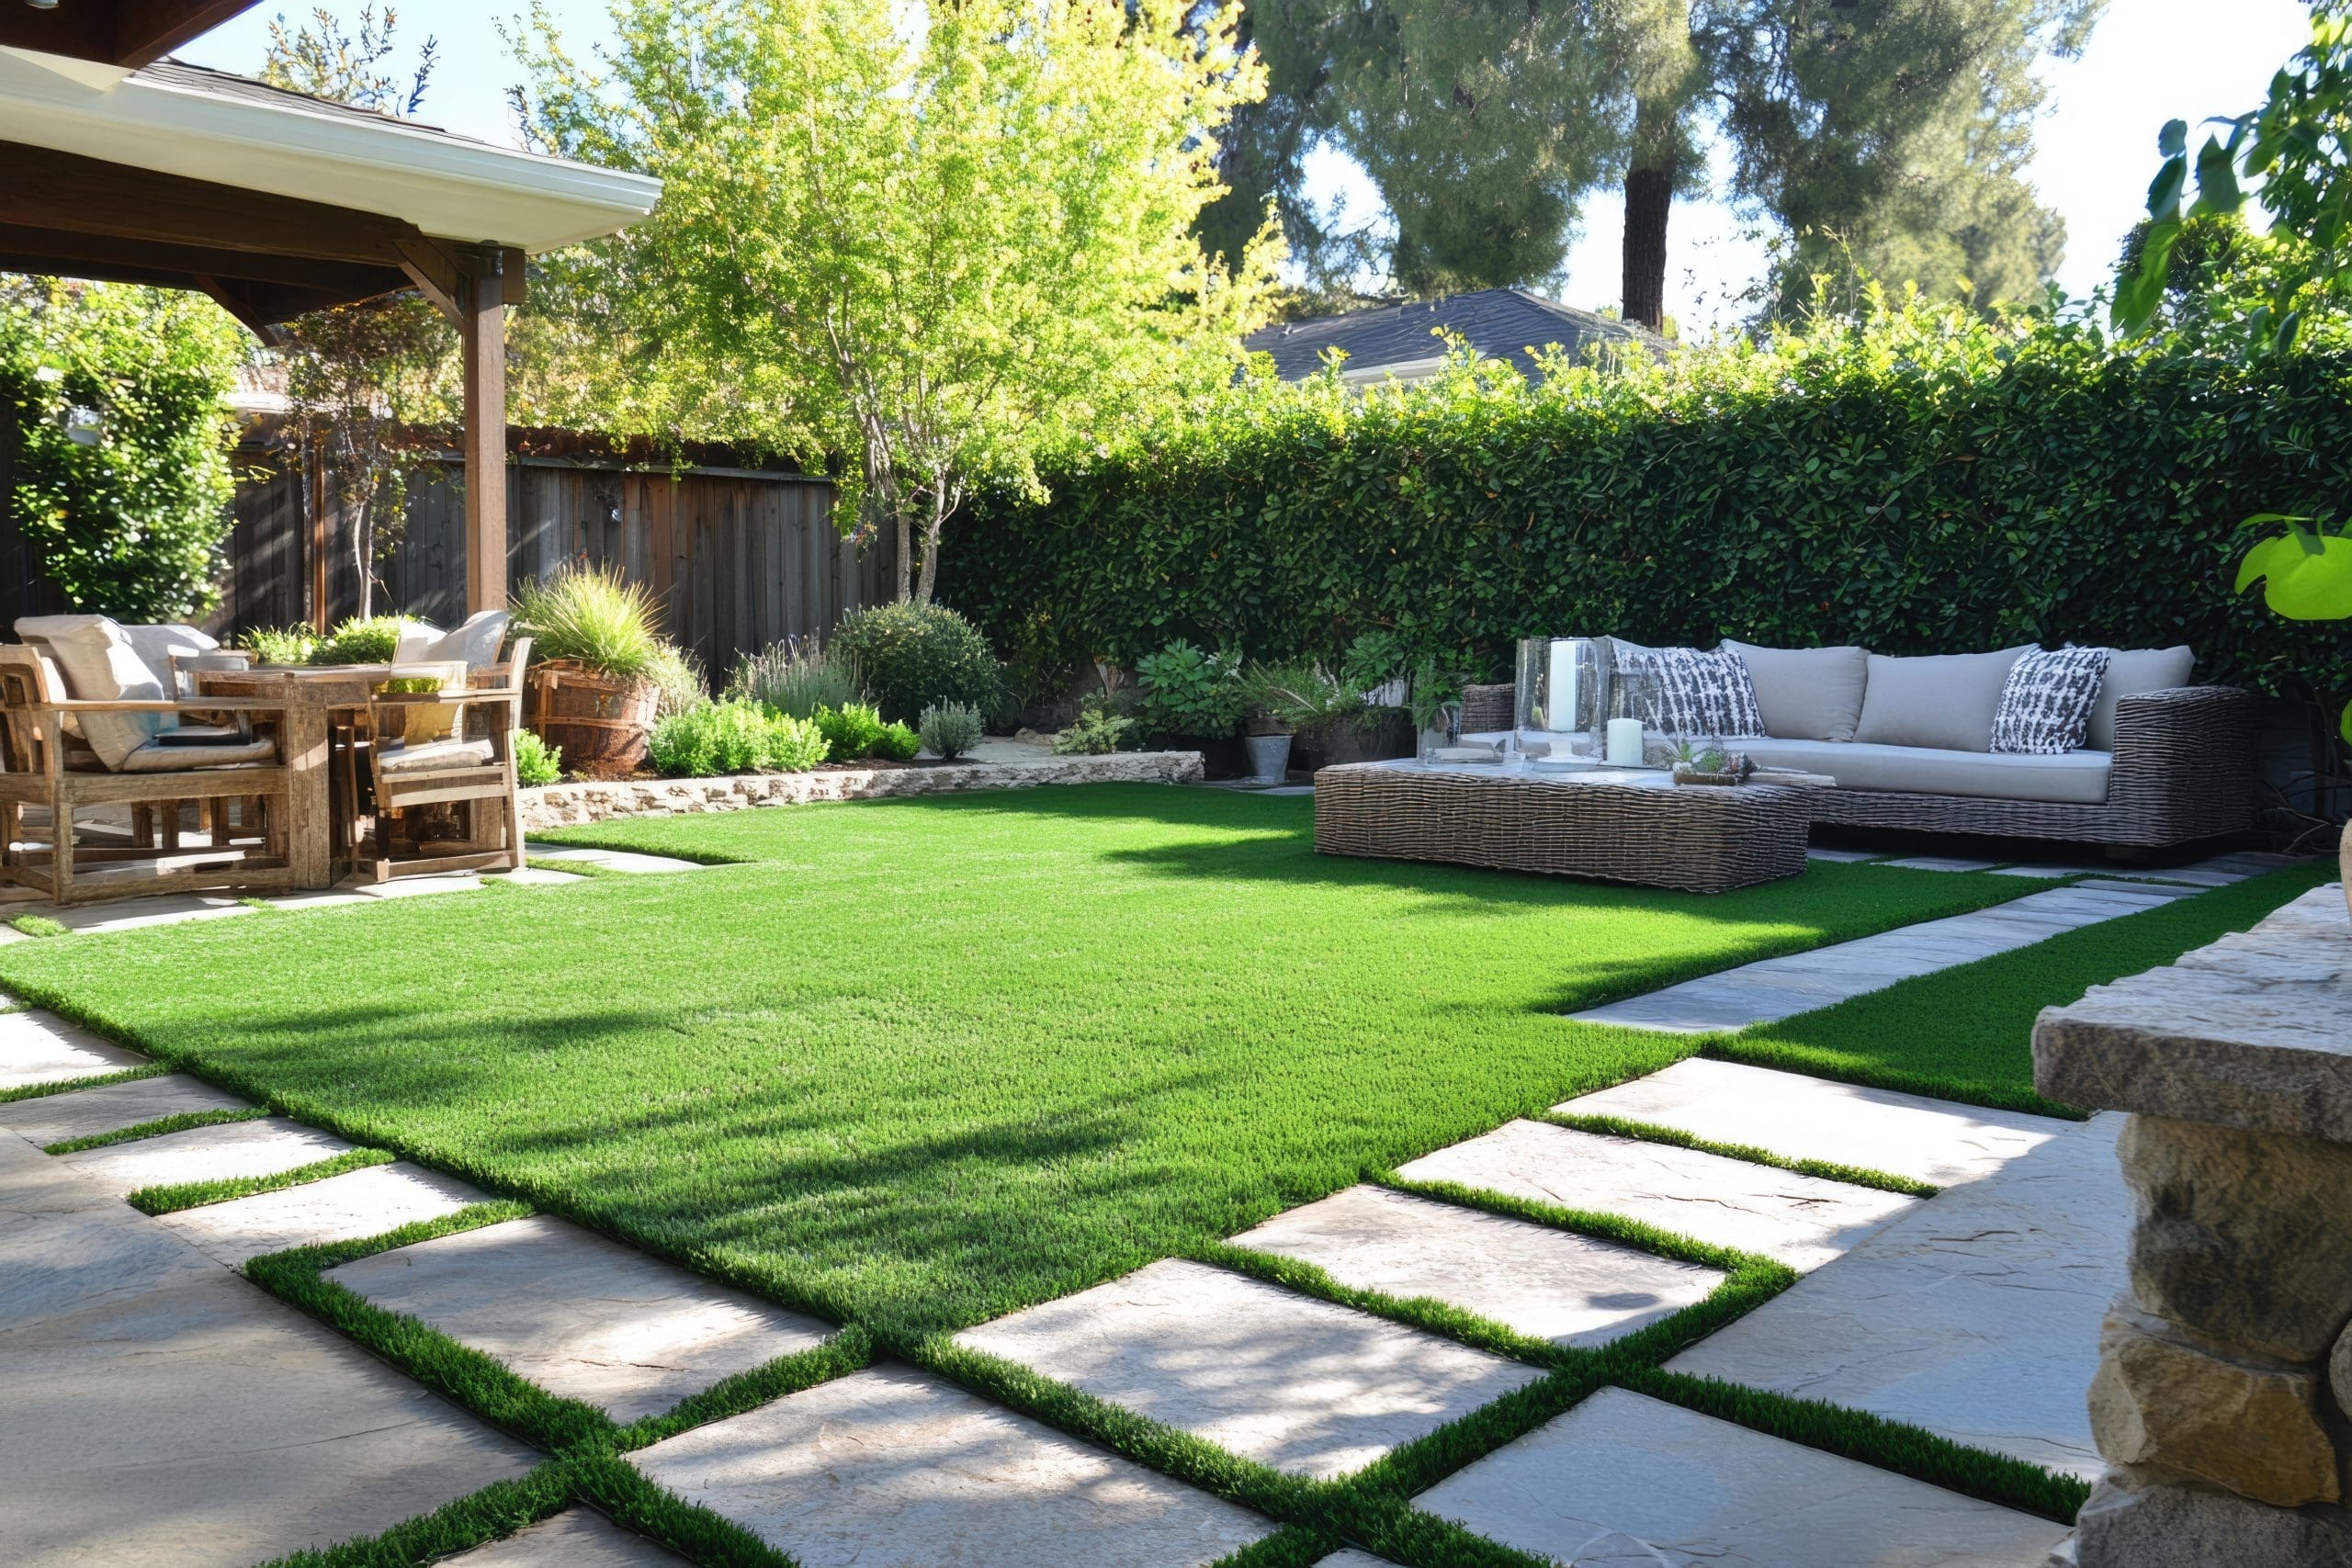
56 250
481 328
146 31
438 273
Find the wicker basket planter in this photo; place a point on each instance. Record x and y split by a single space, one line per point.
601 724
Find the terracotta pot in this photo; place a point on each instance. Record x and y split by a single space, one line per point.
601 724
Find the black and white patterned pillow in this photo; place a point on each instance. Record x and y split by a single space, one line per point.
1686 693
2046 705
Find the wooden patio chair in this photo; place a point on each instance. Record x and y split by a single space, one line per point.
453 749
53 777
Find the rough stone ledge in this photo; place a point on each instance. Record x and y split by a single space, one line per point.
2249 1032
2131 1522
572 804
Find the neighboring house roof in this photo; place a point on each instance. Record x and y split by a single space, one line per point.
1501 323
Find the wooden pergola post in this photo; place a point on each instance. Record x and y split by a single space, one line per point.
482 324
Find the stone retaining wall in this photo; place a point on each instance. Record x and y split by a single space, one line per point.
571 804
2224 1397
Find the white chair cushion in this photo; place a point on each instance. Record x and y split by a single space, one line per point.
415 638
155 757
476 642
2130 672
1944 701
450 753
157 646
100 666
2066 778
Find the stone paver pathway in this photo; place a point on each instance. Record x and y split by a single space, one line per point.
1545 1283
894 1468
1624 1480
1776 988
159 1410
582 1317
1939 862
38 1047
576 1538
110 1108
270 1146
611 860
1976 1315
1293 1383
1801 1220
357 1203
1799 1117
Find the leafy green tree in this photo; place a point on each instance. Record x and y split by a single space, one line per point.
918 237
120 478
324 58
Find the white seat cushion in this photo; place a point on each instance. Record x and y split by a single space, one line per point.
155 757
403 758
2130 672
157 646
2066 778
476 642
100 665
415 639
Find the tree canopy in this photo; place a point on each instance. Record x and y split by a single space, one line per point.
918 237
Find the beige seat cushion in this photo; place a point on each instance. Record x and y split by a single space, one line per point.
475 643
100 665
2131 672
158 647
452 753
1806 693
1945 702
2068 778
154 757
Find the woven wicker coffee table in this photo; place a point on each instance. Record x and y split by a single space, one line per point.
1635 826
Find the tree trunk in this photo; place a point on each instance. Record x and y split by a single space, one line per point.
1649 197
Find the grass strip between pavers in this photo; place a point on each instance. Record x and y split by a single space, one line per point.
70 1086
182 1121
173 1198
1654 1133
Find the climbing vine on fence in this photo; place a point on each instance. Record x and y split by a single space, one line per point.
1919 482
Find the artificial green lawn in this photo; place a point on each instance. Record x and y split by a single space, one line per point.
918 1063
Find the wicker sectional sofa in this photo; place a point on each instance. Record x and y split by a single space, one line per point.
2177 767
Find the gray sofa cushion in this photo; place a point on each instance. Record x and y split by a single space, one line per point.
2069 778
2131 672
1944 701
1806 693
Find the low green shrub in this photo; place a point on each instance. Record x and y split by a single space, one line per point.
290 645
899 743
677 676
908 657
595 616
794 677
950 729
375 641
1301 695
535 762
851 731
733 737
1191 693
1096 732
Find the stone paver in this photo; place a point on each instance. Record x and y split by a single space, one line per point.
1976 1315
1546 1283
343 1208
2153 892
136 914
1352 1558
582 1317
90 1113
894 1468
1800 1220
611 860
1939 862
2050 873
1843 857
38 1047
1776 988
577 1538
157 1410
418 886
269 1146
1624 1480
1291 1382
1799 1117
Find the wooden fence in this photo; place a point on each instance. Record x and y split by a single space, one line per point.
739 559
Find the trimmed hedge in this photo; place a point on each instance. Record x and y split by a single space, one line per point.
1920 483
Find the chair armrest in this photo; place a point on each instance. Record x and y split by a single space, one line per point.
2185 757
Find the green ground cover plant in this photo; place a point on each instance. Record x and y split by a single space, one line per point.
1044 1038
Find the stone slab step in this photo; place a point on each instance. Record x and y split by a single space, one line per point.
1939 862
582 1317
1291 1381
611 860
894 1468
576 1538
349 1207
1799 1117
1545 1283
269 1146
1801 1220
1623 1479
39 1047
1976 1315
91 1112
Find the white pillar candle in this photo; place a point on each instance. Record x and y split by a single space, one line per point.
1560 704
1624 743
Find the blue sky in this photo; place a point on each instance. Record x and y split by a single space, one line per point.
2149 60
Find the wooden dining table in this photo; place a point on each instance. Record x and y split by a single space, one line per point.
311 698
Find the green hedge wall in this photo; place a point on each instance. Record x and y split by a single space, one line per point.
1920 483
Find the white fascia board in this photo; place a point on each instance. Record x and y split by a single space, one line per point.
449 188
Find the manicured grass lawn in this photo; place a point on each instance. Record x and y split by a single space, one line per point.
916 1063
1967 1033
